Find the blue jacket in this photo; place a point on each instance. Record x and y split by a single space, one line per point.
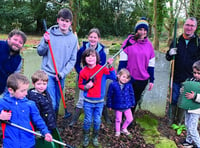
44 104
8 64
120 99
99 49
23 111
185 57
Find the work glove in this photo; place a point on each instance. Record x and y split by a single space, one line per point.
173 51
59 76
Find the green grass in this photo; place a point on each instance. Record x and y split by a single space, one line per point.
152 135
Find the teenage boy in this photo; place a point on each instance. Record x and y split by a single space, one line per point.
64 47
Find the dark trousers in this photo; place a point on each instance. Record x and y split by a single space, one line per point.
138 87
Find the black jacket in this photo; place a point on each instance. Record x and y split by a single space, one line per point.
185 57
44 104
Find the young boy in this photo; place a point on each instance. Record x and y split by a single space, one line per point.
64 46
23 112
94 92
192 114
41 97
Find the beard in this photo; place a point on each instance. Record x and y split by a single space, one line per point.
12 51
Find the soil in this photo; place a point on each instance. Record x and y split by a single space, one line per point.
74 136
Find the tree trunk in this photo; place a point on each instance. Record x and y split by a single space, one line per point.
75 5
155 38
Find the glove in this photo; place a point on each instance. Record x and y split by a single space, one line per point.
59 76
173 51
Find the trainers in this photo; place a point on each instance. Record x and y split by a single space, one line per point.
187 144
117 134
125 131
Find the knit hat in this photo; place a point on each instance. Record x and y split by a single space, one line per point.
142 23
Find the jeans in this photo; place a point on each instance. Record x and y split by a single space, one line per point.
175 92
191 122
93 113
54 91
79 104
118 119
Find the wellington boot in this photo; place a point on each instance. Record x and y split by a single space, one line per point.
106 116
172 114
67 114
180 116
95 138
86 138
76 115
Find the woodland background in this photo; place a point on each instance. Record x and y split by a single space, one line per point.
112 17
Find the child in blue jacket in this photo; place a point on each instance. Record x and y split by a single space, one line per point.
121 98
42 98
23 113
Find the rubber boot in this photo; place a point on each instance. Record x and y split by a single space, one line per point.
76 115
86 138
180 116
95 136
172 114
67 114
106 116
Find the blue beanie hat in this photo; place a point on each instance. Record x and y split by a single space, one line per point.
142 23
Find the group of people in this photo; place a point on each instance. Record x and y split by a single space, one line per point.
38 106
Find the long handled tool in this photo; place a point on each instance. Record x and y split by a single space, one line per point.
127 44
173 62
36 133
56 71
172 71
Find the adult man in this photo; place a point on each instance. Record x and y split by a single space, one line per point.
187 51
10 59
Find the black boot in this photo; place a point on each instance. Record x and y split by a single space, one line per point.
86 138
106 116
95 138
76 115
180 116
67 114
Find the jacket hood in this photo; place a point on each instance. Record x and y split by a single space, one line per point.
99 46
13 99
55 31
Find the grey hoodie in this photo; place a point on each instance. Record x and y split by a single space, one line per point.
64 47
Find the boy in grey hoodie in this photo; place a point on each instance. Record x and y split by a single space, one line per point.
64 48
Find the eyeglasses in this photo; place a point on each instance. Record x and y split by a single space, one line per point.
196 73
188 25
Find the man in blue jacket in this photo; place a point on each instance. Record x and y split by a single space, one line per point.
10 59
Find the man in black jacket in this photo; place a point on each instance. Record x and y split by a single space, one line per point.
187 51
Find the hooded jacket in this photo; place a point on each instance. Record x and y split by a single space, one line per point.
24 112
64 47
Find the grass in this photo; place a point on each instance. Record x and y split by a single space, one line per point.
151 134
